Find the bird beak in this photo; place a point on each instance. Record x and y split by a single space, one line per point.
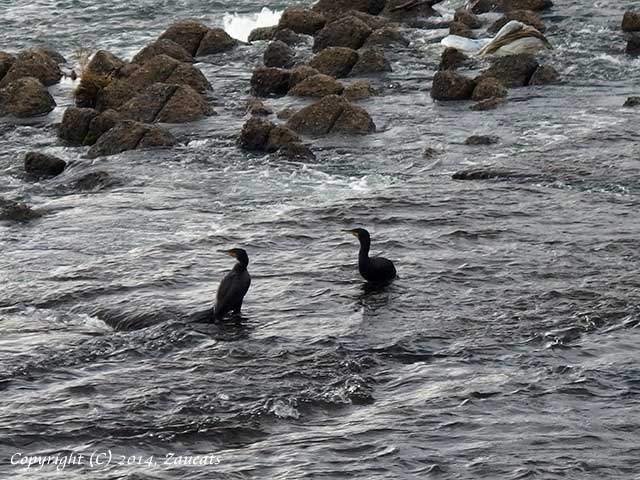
351 232
228 252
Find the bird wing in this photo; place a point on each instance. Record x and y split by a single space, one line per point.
230 291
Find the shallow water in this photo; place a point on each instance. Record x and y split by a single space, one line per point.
506 349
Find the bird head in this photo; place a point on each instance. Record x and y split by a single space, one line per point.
239 254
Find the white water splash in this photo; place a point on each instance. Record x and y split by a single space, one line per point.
240 26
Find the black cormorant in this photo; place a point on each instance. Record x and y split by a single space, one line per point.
233 286
373 269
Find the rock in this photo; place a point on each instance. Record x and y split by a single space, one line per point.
102 63
386 36
279 136
278 54
399 10
448 85
187 34
301 73
347 32
163 47
25 97
112 96
481 140
484 6
359 91
430 152
632 102
484 174
257 107
52 54
93 181
463 15
335 61
17 211
166 104
101 124
633 45
75 124
512 71
545 75
331 114
333 9
301 20
88 91
452 59
216 40
267 81
489 104
525 16
460 29
164 69
288 36
42 165
370 61
488 88
130 135
296 151
262 34
374 22
33 64
6 61
287 113
254 134
631 22
319 85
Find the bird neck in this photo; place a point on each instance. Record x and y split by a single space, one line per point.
364 249
240 266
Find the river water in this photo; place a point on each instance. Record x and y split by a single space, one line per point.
508 348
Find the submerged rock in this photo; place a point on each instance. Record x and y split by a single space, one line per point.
93 181
301 20
349 32
335 61
25 97
488 104
11 210
632 102
481 140
332 114
296 151
43 165
448 85
633 45
130 135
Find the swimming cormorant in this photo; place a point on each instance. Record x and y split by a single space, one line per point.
373 269
233 286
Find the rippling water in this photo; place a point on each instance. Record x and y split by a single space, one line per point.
508 347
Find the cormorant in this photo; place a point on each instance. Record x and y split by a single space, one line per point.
233 286
373 269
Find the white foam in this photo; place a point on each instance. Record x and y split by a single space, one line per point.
240 26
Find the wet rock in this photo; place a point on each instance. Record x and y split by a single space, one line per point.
25 97
403 10
301 20
130 135
110 97
484 6
267 81
75 124
52 54
484 174
254 134
335 61
6 60
632 102
347 32
631 22
374 22
43 165
488 88
287 113
452 59
166 104
164 69
385 37
257 107
331 114
466 17
262 34
187 34
488 104
359 91
11 210
101 124
512 71
279 136
460 29
525 16
430 152
33 64
102 63
448 85
296 151
333 9
370 60
88 91
288 36
216 40
278 54
319 85
93 181
545 75
481 140
633 45
162 47
301 73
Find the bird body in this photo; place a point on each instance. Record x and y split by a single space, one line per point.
234 286
372 269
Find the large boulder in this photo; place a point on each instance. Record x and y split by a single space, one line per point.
166 104
449 85
267 81
331 114
335 61
6 61
317 86
25 97
43 165
279 136
278 54
75 124
370 60
262 135
162 47
216 40
524 16
349 32
34 64
385 37
103 63
333 9
545 75
301 20
130 135
262 34
631 22
165 69
187 34
488 88
512 71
